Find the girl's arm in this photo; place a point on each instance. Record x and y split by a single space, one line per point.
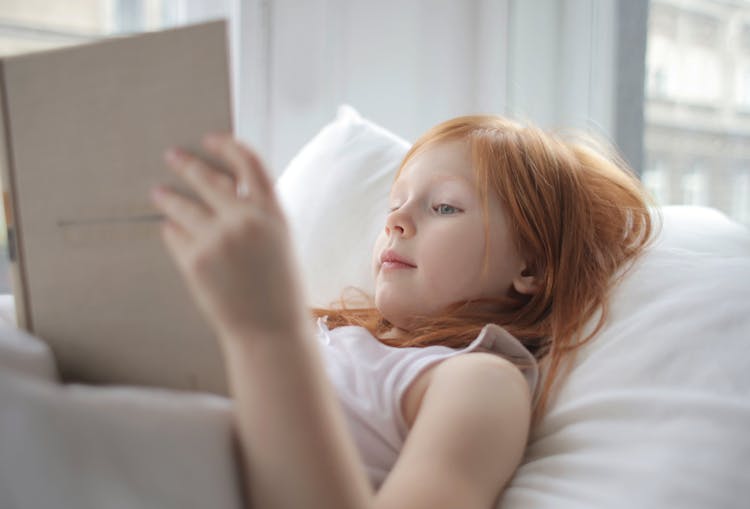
471 426
233 249
296 448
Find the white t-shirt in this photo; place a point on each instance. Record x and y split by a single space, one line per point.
370 379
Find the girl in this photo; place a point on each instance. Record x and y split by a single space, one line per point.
502 242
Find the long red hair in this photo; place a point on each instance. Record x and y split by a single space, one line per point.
577 214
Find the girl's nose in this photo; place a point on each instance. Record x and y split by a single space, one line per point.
399 223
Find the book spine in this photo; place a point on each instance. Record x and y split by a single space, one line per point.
10 207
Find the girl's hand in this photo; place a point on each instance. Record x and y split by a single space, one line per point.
233 247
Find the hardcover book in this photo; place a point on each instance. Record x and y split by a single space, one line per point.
82 134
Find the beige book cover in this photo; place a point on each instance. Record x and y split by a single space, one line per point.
82 133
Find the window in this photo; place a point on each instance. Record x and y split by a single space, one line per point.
661 73
699 76
697 104
39 24
655 178
695 186
741 195
742 86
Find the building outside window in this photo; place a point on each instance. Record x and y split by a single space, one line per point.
697 107
695 186
655 178
741 198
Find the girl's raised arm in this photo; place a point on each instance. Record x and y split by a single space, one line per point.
235 254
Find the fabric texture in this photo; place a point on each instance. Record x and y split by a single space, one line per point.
371 379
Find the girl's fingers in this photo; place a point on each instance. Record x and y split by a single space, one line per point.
264 179
213 186
177 240
249 171
190 216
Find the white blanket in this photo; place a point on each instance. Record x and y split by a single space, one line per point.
84 447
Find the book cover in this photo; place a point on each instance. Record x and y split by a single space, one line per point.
82 134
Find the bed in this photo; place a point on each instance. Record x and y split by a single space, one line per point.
655 412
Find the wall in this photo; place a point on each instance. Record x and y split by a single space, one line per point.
410 64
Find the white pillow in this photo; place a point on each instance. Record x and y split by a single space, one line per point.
703 229
335 193
657 408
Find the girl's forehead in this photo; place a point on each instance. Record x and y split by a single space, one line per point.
434 179
449 151
450 160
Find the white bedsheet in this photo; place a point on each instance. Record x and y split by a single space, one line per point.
83 447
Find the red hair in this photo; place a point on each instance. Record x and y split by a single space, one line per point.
578 215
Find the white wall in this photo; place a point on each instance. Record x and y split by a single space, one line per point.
405 65
408 64
561 63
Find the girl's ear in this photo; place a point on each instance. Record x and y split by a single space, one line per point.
527 282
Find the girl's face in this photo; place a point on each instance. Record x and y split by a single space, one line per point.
435 224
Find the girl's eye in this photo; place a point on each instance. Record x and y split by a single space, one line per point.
445 208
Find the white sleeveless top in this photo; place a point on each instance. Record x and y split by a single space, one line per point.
370 379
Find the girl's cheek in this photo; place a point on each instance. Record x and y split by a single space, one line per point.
377 248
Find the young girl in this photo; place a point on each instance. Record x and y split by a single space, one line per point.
501 244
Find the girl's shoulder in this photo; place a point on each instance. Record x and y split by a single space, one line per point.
472 425
478 358
482 370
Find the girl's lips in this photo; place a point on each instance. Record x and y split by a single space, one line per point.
396 265
392 256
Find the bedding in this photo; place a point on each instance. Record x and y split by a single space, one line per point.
77 446
654 413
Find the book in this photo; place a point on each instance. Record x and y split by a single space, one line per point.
83 130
